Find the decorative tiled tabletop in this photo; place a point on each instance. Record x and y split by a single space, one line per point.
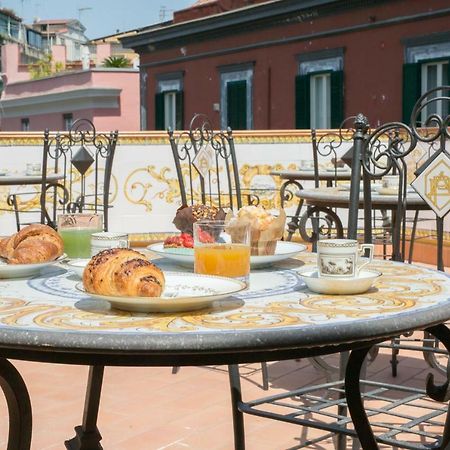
277 298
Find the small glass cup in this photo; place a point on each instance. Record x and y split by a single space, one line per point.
76 230
218 251
33 169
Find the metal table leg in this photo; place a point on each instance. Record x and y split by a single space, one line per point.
236 399
87 436
19 407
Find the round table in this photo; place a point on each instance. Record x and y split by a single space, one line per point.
294 178
340 197
308 175
23 179
46 318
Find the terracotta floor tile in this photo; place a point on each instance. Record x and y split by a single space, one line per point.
153 409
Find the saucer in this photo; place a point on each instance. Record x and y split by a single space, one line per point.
77 266
340 286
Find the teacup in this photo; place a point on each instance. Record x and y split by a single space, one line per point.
106 240
339 258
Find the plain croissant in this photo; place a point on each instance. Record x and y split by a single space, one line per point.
123 272
33 244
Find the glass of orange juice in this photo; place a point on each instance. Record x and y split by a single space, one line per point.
217 253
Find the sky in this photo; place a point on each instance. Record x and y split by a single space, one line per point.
100 17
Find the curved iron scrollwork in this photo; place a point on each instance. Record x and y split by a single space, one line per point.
322 225
221 178
430 118
355 404
77 154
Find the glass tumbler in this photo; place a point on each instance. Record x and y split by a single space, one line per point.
222 251
76 230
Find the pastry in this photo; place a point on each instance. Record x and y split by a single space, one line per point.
186 216
33 244
123 272
265 229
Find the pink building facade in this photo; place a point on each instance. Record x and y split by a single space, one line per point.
108 97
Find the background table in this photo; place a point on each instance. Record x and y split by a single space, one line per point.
47 319
340 198
294 178
23 179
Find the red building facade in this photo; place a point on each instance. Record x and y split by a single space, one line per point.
291 64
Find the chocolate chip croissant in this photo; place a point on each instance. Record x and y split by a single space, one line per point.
123 272
33 244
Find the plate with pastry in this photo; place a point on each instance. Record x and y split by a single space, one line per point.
26 252
129 281
185 256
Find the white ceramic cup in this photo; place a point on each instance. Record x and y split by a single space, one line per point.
106 240
340 258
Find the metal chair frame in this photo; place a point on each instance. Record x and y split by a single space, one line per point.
222 177
77 153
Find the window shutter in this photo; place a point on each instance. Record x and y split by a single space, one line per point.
237 104
302 102
179 105
159 111
411 88
447 83
337 98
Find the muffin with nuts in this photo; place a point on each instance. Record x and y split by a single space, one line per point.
186 216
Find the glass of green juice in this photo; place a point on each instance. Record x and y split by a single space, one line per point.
76 230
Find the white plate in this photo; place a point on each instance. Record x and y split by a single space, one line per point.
340 286
284 250
24 270
183 292
77 266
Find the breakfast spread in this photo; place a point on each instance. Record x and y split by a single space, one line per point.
123 272
265 228
33 244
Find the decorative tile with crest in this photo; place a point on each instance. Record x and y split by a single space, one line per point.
433 184
204 160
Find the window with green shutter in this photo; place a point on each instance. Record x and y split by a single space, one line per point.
237 104
337 98
319 89
169 110
411 88
302 102
159 111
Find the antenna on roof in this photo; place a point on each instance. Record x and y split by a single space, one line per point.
163 12
80 10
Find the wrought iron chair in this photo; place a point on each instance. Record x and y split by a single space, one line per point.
387 151
206 165
84 158
319 222
208 173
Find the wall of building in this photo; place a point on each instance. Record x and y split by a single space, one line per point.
373 60
118 109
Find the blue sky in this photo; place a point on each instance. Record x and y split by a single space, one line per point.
103 17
